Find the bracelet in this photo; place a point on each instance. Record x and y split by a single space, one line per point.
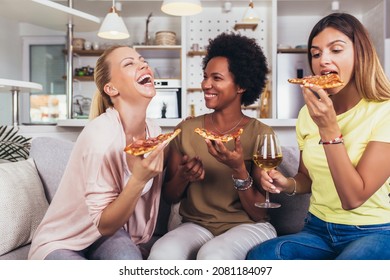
242 185
337 140
295 188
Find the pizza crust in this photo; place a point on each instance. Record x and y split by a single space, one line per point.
327 81
144 146
212 136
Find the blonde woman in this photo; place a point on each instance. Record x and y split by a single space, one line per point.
106 204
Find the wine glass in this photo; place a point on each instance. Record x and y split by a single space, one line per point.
267 155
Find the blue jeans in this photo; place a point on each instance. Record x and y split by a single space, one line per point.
320 240
116 247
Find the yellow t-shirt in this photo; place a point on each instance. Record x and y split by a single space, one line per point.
367 121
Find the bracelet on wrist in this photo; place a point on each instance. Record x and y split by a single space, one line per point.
295 188
242 185
337 140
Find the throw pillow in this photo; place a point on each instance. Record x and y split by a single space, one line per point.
23 204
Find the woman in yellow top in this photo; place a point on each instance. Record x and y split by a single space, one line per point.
343 135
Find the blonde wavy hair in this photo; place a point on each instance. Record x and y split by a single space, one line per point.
101 100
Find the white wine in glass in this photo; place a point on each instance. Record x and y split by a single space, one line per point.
267 155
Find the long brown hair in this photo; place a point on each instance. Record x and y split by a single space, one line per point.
370 78
101 100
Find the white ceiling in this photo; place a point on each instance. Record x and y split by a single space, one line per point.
32 12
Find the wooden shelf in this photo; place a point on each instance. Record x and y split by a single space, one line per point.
81 78
292 50
159 51
251 107
193 89
196 53
85 52
242 25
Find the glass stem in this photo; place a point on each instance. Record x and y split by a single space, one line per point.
266 197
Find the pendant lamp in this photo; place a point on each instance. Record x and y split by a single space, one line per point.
181 7
250 15
113 26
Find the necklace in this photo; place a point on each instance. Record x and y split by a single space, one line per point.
224 132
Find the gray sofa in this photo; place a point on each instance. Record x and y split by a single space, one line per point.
50 156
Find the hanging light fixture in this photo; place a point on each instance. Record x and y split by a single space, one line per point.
181 7
250 15
113 26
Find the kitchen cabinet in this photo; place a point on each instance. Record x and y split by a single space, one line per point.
166 62
82 81
78 55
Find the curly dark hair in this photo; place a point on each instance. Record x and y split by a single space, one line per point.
247 63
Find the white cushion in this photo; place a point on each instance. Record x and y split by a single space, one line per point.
22 204
175 219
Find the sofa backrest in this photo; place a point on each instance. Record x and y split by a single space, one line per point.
50 156
290 217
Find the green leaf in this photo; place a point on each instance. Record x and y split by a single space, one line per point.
13 147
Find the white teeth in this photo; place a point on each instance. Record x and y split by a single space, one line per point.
328 72
146 76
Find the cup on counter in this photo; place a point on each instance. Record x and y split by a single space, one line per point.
195 47
95 45
87 45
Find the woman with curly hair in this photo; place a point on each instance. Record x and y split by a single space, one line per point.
216 183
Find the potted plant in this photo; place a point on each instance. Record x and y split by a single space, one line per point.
13 147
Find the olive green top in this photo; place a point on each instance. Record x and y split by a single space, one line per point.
214 202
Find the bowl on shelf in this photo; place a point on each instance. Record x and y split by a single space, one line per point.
78 43
165 38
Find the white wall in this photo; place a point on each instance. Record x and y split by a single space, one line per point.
374 20
289 25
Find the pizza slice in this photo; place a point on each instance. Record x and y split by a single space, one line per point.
327 81
140 147
212 136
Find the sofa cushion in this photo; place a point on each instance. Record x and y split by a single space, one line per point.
23 204
51 156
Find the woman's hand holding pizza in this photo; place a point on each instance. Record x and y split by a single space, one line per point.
145 168
321 108
234 159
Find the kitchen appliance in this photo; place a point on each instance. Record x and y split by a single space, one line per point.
289 99
166 103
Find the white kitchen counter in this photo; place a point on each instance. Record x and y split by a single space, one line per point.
70 129
167 123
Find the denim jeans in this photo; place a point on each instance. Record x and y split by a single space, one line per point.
320 240
116 247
